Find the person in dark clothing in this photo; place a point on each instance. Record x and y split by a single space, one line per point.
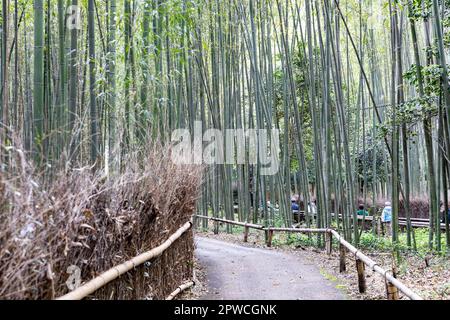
294 205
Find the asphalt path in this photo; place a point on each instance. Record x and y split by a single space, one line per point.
235 272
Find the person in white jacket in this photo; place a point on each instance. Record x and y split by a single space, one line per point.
386 218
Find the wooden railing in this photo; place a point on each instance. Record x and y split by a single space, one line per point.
393 285
180 289
115 272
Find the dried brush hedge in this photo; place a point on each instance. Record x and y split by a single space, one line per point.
85 220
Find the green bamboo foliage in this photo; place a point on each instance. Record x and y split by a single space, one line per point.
92 84
127 22
38 83
73 90
62 88
361 122
4 69
111 85
395 127
144 103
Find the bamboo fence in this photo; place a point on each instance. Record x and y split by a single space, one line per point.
115 272
180 289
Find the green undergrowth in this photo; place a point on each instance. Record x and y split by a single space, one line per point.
371 242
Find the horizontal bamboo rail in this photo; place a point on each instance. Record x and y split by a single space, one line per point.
236 223
299 230
180 289
115 272
391 281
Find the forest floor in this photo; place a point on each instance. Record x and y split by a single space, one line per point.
431 282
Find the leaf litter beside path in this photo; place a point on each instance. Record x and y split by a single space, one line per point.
199 289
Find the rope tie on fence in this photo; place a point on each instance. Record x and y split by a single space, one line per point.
373 266
385 276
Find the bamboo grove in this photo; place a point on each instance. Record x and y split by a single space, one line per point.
358 89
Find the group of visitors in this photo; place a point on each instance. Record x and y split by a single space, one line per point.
386 213
386 216
295 205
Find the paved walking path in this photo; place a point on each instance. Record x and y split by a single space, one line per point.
237 273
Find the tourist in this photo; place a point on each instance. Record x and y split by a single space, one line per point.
362 211
386 218
294 205
312 208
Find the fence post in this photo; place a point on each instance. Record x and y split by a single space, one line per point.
361 277
328 242
392 291
380 230
342 266
269 237
216 227
246 233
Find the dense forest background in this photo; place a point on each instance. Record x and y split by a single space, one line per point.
358 89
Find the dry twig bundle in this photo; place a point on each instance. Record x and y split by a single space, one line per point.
84 220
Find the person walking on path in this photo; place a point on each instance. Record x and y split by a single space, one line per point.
386 218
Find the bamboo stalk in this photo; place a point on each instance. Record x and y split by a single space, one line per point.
300 230
237 223
113 273
38 84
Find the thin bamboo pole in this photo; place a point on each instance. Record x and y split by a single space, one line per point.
300 230
243 224
180 289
